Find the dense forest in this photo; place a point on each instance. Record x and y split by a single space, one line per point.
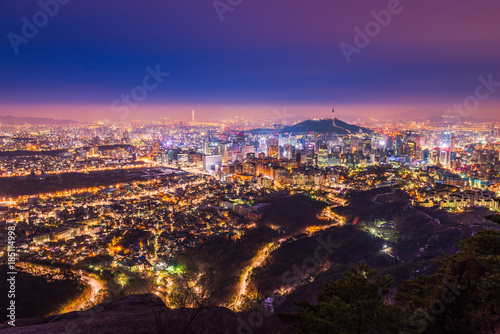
462 297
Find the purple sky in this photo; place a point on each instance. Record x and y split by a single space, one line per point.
264 55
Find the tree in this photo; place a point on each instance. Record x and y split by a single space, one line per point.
353 304
463 296
189 307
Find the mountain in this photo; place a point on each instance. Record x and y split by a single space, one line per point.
12 120
326 125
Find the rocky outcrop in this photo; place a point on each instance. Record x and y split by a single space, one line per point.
134 314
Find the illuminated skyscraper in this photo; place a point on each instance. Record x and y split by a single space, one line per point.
411 148
273 151
323 156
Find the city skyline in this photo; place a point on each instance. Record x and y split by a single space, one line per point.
239 167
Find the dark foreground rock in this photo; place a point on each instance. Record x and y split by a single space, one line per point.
135 314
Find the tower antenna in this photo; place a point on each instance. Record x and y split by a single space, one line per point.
333 112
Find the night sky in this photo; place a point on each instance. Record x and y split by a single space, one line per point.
263 55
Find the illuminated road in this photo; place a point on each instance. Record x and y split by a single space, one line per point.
95 286
245 277
81 170
93 299
195 171
374 199
435 220
259 259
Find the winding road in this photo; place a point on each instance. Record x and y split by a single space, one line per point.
93 299
258 260
245 277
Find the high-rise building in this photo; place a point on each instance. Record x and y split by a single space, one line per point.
323 156
273 151
126 137
210 161
367 145
273 142
411 148
247 149
289 152
453 143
